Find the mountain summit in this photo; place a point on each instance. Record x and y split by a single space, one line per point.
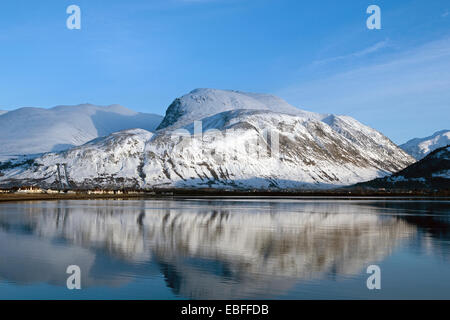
201 103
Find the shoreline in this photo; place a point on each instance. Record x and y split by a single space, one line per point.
218 194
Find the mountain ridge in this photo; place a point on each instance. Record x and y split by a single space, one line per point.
32 130
262 146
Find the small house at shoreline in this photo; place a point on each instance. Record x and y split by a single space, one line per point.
30 189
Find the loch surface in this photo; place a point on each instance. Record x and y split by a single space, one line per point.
228 248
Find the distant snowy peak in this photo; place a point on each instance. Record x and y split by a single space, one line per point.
2 112
420 147
39 130
201 103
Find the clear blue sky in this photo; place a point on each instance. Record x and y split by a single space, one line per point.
318 55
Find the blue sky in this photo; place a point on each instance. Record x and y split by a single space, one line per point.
318 55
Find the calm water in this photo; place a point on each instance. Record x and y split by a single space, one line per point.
225 249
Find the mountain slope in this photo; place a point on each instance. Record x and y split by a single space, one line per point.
420 147
37 130
2 112
432 172
237 149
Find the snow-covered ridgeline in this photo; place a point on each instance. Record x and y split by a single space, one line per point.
36 130
420 147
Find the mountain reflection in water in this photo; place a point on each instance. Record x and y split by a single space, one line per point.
205 249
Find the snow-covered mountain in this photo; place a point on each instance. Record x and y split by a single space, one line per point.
420 147
37 130
252 141
430 173
3 112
